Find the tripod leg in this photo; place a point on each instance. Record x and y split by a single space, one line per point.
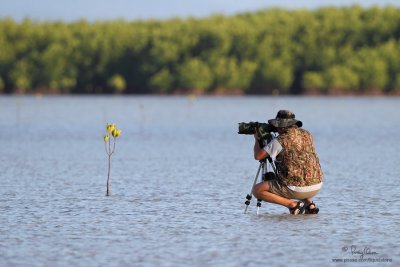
263 166
258 205
248 197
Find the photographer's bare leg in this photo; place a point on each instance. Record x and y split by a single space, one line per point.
261 191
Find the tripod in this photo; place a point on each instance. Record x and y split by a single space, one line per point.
264 173
262 167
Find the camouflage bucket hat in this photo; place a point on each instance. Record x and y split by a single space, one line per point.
285 118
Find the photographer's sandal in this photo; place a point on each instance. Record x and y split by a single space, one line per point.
299 209
309 210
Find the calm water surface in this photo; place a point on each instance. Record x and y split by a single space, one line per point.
178 182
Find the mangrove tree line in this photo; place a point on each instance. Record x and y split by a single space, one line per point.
274 51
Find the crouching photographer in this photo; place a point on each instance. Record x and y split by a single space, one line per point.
298 172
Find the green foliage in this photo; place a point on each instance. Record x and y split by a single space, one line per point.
275 77
20 75
397 84
389 52
345 50
246 74
117 82
194 74
313 81
1 85
341 79
162 81
226 73
370 68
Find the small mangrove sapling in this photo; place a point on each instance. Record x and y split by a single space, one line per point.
110 148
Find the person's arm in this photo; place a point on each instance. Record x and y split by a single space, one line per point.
259 152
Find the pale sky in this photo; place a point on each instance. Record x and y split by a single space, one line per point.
71 10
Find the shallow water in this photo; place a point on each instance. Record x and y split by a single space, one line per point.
178 182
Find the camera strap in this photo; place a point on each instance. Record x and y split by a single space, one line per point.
260 143
271 162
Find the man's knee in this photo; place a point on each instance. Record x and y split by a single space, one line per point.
259 188
255 190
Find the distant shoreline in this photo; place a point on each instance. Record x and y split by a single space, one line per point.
220 94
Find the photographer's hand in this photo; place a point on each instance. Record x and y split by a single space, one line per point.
258 138
259 153
256 135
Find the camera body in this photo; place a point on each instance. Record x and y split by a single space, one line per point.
264 130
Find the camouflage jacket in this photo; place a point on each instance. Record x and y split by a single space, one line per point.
297 164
